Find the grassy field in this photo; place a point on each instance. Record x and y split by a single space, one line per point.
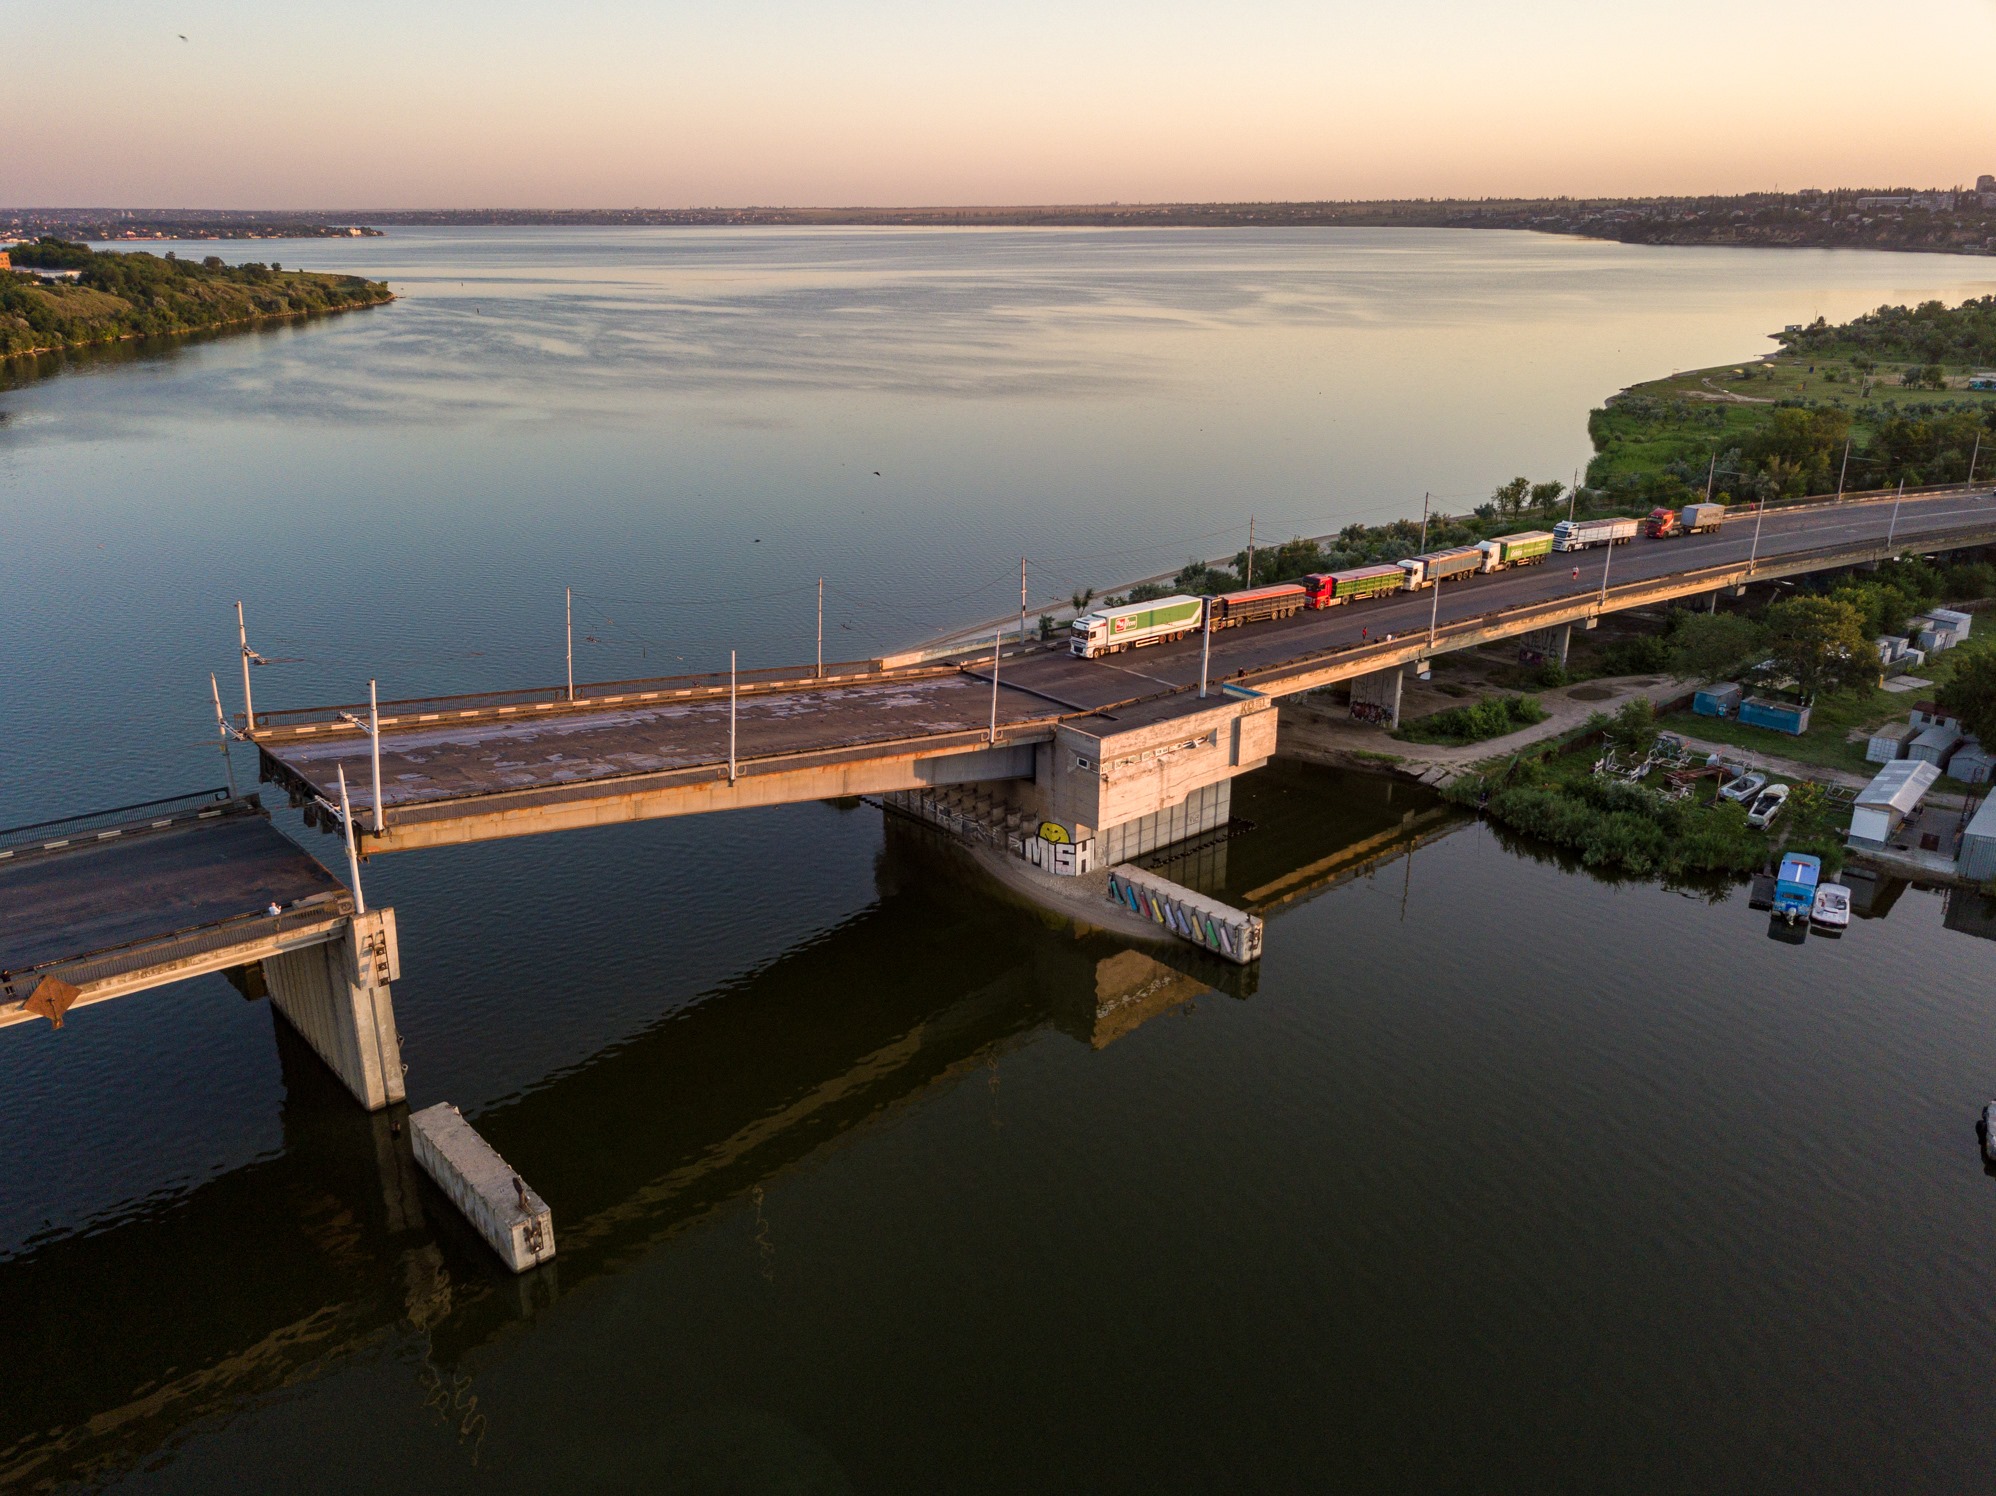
1693 413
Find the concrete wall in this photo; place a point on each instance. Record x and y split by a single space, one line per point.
1099 775
336 995
1205 809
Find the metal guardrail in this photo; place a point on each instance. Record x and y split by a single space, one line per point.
290 724
102 825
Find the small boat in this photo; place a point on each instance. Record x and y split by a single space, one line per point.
1831 911
1988 1131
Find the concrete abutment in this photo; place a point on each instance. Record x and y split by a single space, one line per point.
337 996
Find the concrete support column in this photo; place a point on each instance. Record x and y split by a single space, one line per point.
1376 697
1545 646
336 996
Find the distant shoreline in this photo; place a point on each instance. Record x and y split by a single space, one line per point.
1949 221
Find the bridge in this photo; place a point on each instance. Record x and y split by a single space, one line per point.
1111 757
1071 764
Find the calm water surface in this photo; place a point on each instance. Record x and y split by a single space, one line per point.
1494 1176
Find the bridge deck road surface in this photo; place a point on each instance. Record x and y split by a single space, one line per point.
148 885
430 764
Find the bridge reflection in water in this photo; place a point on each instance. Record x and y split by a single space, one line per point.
286 1269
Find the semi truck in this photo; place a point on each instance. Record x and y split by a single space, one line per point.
1331 589
1581 534
1527 548
1231 609
1795 885
1425 570
1112 630
1692 519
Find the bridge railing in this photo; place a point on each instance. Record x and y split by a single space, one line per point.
410 711
97 824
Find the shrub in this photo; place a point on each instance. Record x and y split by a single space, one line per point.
1492 718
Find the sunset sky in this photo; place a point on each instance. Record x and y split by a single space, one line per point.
618 103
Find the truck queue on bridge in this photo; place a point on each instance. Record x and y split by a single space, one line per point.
1108 631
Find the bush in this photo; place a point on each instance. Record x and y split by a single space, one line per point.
1472 724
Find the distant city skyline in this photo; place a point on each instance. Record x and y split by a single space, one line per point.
610 103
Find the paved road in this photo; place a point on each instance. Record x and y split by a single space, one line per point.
148 885
431 763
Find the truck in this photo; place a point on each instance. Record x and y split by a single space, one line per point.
1331 589
1690 520
1430 567
1231 609
1795 886
1527 548
1580 534
1112 630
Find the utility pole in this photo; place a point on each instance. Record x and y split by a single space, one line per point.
1712 472
821 626
374 742
222 730
1606 561
996 635
1205 640
731 716
1759 513
1250 551
1845 468
1434 613
568 619
1573 494
1426 498
1893 529
353 857
1022 599
242 644
1972 456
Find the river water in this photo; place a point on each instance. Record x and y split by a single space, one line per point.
1494 1176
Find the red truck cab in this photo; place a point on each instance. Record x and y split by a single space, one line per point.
1320 588
1661 522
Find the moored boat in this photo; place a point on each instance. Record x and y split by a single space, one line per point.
1831 909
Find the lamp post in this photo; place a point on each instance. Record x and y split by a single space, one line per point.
353 857
1205 640
1893 528
996 635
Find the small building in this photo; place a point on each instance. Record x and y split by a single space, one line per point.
1929 714
1955 619
1935 745
1978 844
1791 717
1972 763
1718 700
1884 805
1931 632
1889 744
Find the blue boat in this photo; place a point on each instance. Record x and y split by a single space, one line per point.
1795 885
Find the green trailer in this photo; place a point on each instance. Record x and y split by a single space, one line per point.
1108 630
1526 548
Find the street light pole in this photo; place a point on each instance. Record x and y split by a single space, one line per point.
1205 641
1426 499
353 857
1022 599
222 730
1972 456
242 645
1250 551
374 742
996 635
1434 613
731 716
1893 528
1845 468
1711 472
568 622
1606 561
821 626
1759 513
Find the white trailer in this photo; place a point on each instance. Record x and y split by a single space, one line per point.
1581 534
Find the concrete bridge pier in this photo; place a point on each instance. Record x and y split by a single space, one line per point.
1376 697
1546 646
336 995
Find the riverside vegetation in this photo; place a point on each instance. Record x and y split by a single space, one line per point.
136 295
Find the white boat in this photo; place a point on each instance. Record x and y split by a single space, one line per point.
1831 911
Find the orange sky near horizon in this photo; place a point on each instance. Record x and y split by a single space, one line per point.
618 103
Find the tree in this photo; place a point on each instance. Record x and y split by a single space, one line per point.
1711 646
1633 728
1971 696
1510 497
1820 644
1546 496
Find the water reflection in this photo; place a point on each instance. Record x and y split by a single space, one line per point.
335 1248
